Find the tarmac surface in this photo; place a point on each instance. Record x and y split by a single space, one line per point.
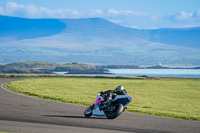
20 113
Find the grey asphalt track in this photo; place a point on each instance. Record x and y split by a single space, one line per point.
19 113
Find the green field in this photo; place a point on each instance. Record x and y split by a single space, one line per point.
177 98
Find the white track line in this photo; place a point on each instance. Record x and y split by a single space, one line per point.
2 86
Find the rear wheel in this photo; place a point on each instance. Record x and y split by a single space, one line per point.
88 111
118 110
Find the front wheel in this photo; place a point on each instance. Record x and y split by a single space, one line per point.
88 111
118 110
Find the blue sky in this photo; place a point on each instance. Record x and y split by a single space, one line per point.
142 14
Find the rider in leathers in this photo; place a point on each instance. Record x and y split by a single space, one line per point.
108 95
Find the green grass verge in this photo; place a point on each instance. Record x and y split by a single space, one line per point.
177 98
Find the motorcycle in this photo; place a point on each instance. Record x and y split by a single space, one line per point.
108 108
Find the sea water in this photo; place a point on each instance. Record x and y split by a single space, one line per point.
186 73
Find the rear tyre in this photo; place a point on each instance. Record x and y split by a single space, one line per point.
116 112
88 111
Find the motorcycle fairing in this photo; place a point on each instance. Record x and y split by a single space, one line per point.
98 99
123 99
96 110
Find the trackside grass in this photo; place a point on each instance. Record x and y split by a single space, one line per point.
177 98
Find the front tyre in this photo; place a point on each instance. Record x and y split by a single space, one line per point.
118 110
88 111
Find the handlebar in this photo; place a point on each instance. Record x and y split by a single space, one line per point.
106 92
112 91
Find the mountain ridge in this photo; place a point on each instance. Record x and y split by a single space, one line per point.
95 40
18 28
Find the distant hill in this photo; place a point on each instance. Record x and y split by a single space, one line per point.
38 67
95 40
12 28
100 27
189 37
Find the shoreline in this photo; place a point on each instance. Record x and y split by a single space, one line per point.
14 75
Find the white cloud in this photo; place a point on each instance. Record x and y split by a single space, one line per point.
31 11
128 13
184 19
113 12
13 6
196 15
123 17
133 13
92 13
183 16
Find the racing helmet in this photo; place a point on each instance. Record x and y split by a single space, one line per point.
119 88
